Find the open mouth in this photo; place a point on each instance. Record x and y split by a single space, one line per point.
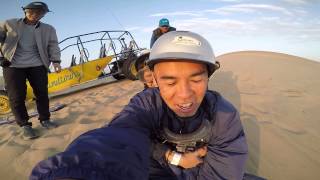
185 107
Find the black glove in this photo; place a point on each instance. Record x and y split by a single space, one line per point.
4 62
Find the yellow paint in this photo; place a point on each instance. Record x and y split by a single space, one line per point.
74 75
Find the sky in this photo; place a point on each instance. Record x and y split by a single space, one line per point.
285 26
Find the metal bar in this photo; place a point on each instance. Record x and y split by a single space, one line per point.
91 34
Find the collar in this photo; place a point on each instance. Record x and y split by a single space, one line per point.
35 26
184 125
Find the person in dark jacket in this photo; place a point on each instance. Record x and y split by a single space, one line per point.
28 47
164 27
135 146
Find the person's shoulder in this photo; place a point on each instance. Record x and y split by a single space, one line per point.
220 103
172 28
13 20
12 23
156 31
149 98
149 94
45 25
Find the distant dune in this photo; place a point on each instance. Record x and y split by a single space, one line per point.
278 97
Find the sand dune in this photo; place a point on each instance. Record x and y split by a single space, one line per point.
278 97
85 110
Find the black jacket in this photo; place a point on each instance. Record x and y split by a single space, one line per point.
157 33
126 143
227 149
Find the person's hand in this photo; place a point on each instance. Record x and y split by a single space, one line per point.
57 67
190 159
4 62
193 159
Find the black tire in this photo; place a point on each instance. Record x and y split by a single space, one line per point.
118 76
129 69
4 103
115 73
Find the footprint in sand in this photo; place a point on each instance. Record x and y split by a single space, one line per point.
8 133
85 121
292 93
247 116
264 121
42 143
291 128
249 93
109 99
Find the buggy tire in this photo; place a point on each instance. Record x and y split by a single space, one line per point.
118 76
115 72
4 103
129 69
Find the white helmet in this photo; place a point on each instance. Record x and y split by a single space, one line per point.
183 45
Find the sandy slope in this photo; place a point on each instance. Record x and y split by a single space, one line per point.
278 97
85 110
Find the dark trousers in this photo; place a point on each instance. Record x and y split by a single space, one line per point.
15 83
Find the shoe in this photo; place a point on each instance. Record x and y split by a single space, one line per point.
28 133
48 124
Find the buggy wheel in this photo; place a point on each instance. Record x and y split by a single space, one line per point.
115 73
4 103
129 69
118 76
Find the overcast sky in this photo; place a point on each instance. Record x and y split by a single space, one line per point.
286 26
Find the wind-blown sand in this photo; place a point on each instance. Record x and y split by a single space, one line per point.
278 97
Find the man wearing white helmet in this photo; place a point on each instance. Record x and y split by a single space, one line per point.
182 63
188 131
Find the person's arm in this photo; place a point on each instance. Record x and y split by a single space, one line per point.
160 152
120 150
105 153
227 151
2 36
3 33
54 51
155 35
153 39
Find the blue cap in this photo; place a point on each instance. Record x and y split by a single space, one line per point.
164 22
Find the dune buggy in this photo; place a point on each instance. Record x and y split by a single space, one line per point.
92 55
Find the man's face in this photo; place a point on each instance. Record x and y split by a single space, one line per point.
34 15
182 85
164 29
